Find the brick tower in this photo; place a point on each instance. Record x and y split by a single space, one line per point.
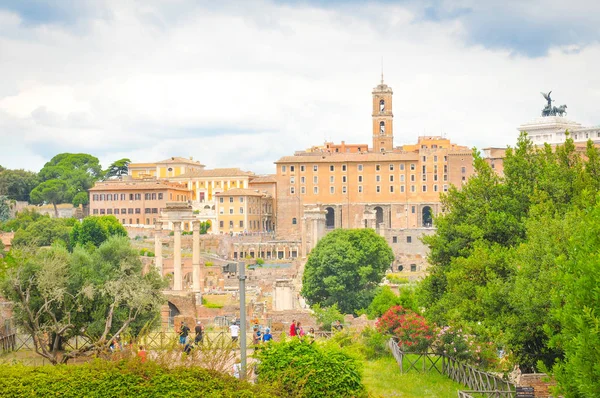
383 129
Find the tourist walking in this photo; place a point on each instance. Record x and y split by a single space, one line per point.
299 330
337 326
199 330
235 331
256 335
141 354
293 328
184 331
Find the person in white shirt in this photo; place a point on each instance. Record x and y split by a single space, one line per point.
235 331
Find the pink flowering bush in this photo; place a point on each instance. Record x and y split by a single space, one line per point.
455 343
410 329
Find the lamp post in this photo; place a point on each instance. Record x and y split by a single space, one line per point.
242 278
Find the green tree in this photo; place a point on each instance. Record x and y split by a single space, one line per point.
22 220
77 172
57 295
576 307
345 268
95 230
44 232
51 191
117 169
17 184
5 207
385 298
82 198
326 316
204 227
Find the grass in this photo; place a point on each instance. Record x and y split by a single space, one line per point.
383 379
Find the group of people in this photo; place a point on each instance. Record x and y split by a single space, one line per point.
258 336
184 336
296 329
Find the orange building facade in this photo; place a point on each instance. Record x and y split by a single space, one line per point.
395 190
135 202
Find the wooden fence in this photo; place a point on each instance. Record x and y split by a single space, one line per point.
8 343
481 383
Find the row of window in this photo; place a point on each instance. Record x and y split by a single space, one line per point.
222 199
97 197
254 224
392 189
408 238
391 166
130 210
377 178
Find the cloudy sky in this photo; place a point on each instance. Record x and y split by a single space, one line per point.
242 83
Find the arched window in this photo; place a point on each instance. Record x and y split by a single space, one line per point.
378 216
381 106
427 217
382 127
294 221
330 218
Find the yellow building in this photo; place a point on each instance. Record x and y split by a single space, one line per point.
167 168
244 211
205 184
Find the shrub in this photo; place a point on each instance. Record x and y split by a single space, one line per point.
327 315
123 378
299 368
146 252
410 329
396 279
453 342
374 343
208 264
260 261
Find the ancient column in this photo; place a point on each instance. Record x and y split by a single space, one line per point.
177 277
158 262
196 256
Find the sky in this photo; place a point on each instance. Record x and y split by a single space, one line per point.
242 83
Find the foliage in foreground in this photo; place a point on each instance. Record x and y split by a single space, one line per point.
57 295
514 258
345 268
305 368
125 378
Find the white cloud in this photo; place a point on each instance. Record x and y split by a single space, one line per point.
242 86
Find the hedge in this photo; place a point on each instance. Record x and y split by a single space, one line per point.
122 379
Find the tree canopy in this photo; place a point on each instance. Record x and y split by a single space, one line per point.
95 230
117 169
45 231
96 293
5 206
17 184
64 177
513 260
345 268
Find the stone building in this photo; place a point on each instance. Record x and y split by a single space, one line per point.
392 189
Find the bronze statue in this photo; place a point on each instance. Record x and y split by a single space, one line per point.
550 110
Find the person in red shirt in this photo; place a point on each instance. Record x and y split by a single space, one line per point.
142 354
293 328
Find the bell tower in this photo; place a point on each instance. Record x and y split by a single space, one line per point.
383 129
